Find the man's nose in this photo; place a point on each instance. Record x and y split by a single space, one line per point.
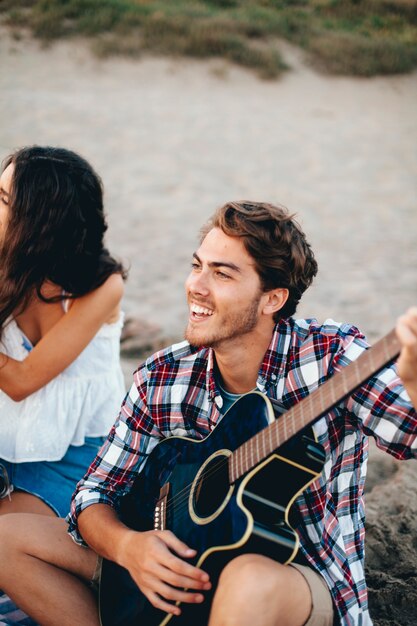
197 283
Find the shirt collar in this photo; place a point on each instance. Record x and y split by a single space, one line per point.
213 390
273 364
272 367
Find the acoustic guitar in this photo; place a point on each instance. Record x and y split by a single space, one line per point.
231 493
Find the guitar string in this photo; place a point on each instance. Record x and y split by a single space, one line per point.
277 437
183 494
181 497
179 502
249 445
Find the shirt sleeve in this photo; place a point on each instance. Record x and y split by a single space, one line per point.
122 457
382 406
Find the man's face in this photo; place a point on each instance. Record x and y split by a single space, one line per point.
223 292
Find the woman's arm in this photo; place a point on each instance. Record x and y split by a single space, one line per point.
62 344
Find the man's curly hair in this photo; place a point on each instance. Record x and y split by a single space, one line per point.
282 255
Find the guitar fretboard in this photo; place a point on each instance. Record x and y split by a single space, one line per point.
313 406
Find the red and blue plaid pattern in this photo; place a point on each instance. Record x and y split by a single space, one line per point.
11 614
174 393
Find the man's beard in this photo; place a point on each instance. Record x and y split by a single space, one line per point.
229 327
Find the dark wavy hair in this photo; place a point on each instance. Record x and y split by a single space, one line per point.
55 229
275 241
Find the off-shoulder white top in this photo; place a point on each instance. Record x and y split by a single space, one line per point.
82 401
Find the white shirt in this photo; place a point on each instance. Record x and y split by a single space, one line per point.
82 401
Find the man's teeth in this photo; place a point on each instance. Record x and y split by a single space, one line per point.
200 310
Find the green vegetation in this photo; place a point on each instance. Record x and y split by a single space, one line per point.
354 37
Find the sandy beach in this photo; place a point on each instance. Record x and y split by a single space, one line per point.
173 139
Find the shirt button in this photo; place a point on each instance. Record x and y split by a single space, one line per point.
219 401
273 377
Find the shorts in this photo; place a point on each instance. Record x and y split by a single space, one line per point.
322 612
95 579
54 481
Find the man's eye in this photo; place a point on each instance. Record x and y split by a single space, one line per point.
222 274
195 266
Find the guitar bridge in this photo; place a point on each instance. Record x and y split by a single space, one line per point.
159 516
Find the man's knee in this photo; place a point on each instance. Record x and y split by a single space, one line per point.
253 587
253 572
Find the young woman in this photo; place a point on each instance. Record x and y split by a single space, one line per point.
60 321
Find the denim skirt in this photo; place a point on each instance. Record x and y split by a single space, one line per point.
54 481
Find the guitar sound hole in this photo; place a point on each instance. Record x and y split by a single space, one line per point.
212 487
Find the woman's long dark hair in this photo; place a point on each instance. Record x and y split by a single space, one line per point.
55 229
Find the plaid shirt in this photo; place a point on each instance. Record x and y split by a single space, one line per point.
175 393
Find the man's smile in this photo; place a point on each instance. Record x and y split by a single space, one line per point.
198 312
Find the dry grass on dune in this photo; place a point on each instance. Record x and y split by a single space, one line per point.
351 37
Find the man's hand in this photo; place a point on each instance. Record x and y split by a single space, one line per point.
407 362
155 560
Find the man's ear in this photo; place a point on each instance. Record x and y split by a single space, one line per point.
275 300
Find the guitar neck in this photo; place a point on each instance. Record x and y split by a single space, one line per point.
313 406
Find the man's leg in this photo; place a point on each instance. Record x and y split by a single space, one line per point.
253 589
45 572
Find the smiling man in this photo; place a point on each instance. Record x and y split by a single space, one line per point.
247 277
223 291
229 310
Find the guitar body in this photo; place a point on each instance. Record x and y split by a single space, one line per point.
218 519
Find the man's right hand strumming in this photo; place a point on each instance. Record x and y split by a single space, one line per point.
155 559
